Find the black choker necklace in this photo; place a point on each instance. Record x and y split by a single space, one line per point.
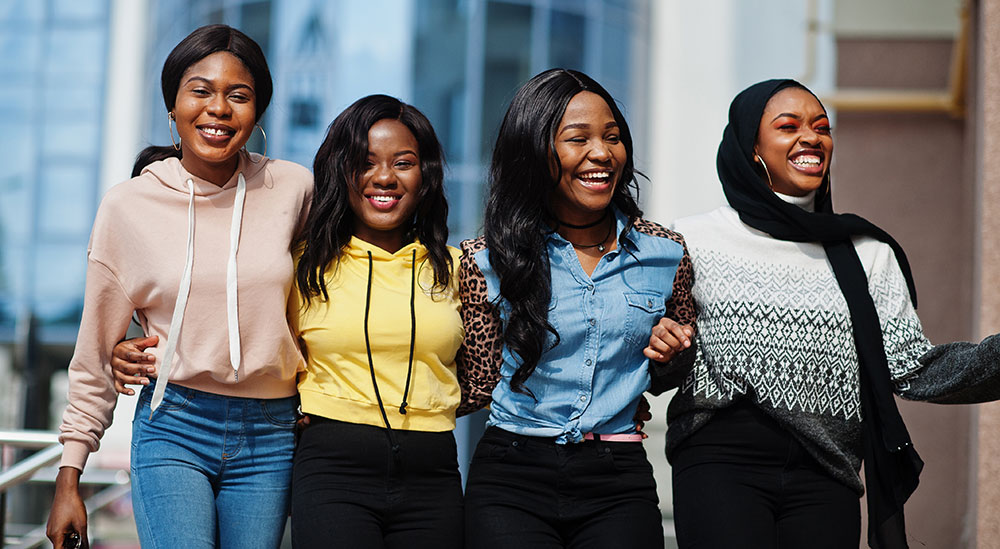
585 226
601 246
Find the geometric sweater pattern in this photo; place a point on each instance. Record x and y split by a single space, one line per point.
774 332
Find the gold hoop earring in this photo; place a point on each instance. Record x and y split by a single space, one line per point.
767 173
170 130
264 135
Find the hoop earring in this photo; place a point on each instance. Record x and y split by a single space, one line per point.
170 129
264 135
767 173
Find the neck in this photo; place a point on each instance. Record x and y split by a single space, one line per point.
390 241
216 174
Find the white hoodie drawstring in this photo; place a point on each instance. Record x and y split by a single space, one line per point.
231 284
184 289
179 305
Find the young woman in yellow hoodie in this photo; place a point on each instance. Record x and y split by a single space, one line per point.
377 311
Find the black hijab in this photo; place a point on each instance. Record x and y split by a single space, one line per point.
892 466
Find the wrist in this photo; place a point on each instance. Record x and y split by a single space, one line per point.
68 478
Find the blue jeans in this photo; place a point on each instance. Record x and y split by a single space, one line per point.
210 470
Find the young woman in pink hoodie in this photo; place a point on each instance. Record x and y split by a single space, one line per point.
211 450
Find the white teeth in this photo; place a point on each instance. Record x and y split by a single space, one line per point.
383 198
807 161
595 176
214 131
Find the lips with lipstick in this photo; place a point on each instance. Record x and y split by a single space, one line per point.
597 180
383 202
808 161
216 133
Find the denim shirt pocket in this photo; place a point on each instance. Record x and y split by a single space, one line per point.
642 311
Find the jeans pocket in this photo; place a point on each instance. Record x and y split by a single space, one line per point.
642 311
175 397
280 412
491 449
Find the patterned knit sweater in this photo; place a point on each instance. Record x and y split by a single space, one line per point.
774 331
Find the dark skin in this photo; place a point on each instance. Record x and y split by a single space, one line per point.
214 114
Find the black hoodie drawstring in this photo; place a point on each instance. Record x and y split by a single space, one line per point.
413 329
368 347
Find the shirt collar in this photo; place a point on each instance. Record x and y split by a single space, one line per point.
622 223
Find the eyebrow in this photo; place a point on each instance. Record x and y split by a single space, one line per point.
398 154
585 126
210 83
797 117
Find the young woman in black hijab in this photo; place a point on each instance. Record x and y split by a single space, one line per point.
806 330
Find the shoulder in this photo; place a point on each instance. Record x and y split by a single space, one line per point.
473 246
123 197
289 174
712 220
653 229
456 256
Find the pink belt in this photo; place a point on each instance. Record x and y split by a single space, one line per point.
623 437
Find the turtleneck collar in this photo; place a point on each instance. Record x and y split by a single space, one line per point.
807 201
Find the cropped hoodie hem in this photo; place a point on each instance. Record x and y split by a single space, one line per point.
211 281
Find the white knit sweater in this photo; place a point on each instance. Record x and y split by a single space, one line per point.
774 330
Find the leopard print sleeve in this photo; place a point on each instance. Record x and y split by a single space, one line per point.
480 356
680 308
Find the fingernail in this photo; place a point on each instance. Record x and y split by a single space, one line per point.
145 381
151 369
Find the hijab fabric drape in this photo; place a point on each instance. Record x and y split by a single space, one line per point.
892 466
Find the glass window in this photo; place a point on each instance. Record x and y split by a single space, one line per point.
71 51
67 201
88 10
507 64
567 39
20 11
58 280
19 51
78 97
64 138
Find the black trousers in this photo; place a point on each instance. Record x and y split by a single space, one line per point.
351 490
529 492
743 481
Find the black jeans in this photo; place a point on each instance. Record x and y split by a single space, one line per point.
349 489
529 492
744 481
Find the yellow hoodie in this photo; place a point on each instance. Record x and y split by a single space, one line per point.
337 383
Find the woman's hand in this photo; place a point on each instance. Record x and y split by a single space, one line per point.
667 339
131 365
69 515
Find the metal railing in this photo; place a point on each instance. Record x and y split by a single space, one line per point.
36 468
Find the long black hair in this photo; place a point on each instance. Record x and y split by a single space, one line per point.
198 45
339 163
521 186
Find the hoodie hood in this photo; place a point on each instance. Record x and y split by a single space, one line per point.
171 173
359 249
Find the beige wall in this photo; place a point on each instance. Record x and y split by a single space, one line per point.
909 173
987 165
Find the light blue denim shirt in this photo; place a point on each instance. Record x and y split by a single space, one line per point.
591 381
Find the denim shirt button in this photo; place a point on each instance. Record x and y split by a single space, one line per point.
590 288
589 362
583 398
593 322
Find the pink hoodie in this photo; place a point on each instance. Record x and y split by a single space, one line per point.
137 255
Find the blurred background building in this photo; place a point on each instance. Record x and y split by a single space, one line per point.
912 86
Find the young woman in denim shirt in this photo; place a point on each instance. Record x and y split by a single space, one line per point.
561 293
